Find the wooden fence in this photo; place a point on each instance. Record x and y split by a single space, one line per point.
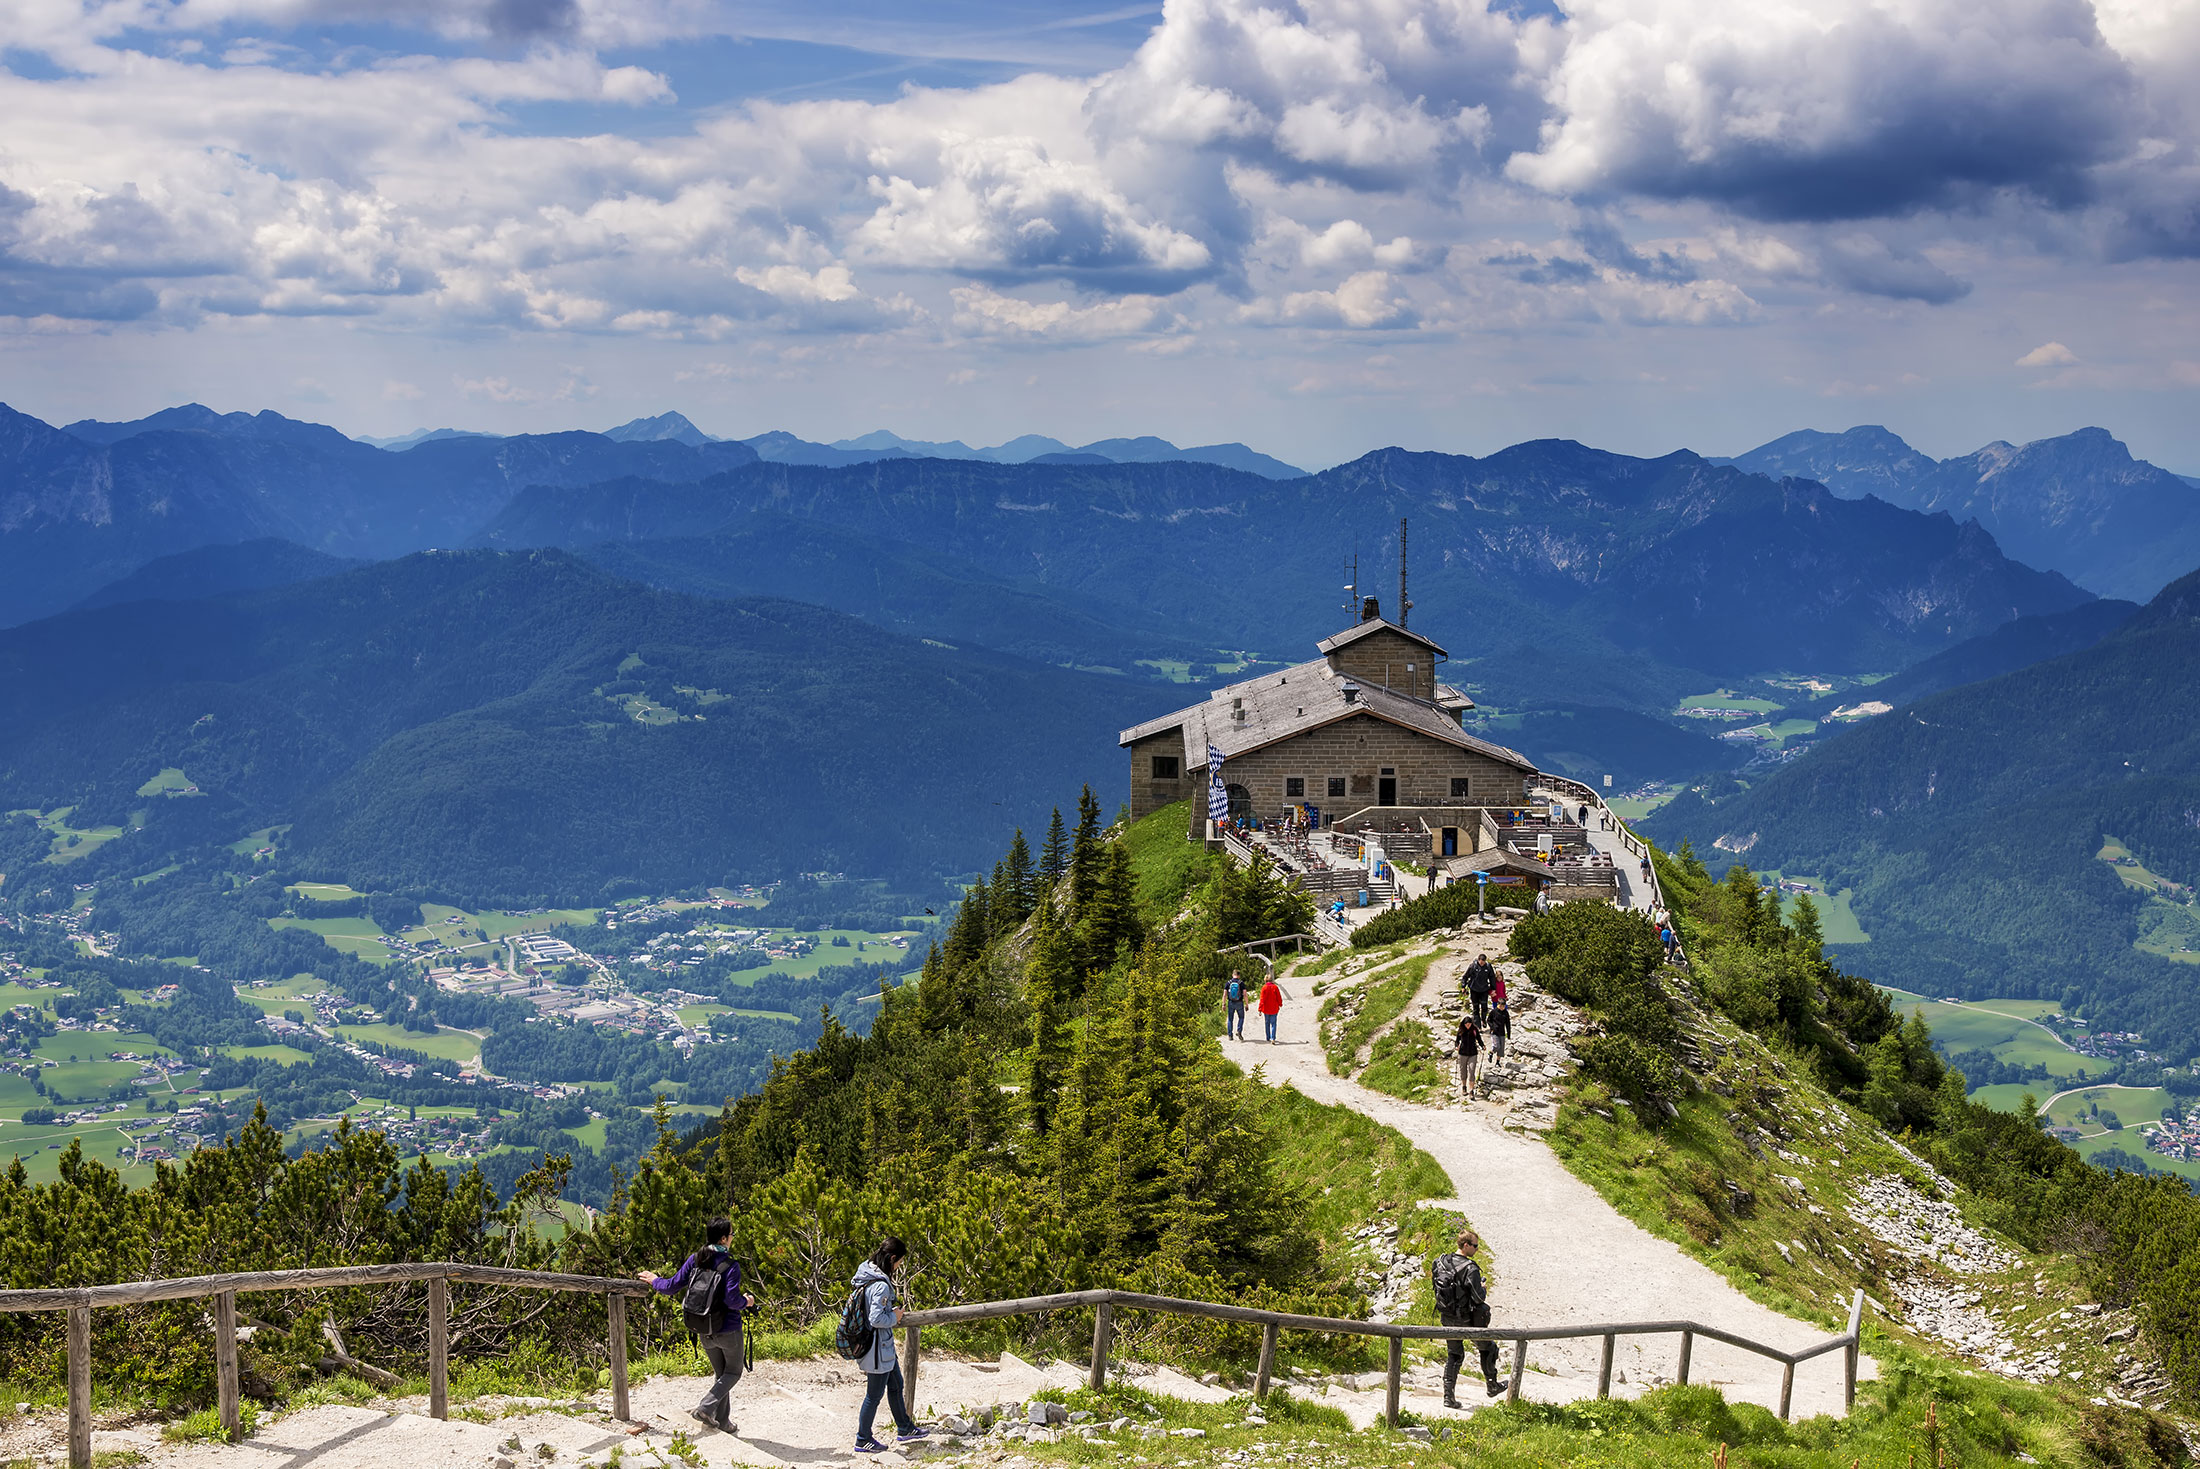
1105 1303
223 1290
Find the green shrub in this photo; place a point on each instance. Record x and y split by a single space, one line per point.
1447 907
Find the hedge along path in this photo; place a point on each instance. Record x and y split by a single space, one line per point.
1562 1254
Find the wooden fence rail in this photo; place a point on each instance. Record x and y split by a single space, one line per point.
222 1290
1106 1303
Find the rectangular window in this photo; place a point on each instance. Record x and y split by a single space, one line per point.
1294 786
1164 767
1461 788
1336 785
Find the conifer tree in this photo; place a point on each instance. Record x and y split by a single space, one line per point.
1054 856
1084 852
1109 918
1051 984
1017 892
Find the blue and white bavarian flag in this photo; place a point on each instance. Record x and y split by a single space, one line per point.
1214 758
1218 798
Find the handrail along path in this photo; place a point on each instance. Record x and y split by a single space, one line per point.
1105 1303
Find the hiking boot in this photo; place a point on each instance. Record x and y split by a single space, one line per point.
913 1435
1452 1402
708 1421
870 1446
1496 1388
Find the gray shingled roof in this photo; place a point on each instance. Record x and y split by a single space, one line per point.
1295 700
1494 859
1376 624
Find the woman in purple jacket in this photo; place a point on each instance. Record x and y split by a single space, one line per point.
718 1332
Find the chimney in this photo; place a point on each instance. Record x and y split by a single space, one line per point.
1371 610
1350 690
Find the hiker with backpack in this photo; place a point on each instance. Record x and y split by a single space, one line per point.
1462 1299
866 1337
1233 992
1501 1029
1468 1043
1481 979
708 1284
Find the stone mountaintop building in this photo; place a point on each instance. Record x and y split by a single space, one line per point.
1366 734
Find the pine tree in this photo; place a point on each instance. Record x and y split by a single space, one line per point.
1108 920
1084 853
1018 893
1054 856
1051 983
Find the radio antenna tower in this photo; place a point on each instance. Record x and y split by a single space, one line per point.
1404 606
1352 586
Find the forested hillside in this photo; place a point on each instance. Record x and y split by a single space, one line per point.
1970 824
519 727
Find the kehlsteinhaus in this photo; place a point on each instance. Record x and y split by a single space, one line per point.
1365 735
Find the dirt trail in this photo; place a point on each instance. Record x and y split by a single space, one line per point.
1560 1253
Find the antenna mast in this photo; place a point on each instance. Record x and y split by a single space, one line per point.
1352 586
1404 606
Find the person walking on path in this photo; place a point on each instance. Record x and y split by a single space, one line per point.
1271 1005
1462 1299
880 1363
1233 993
1667 937
1468 1043
708 1284
1481 979
1501 1027
1497 987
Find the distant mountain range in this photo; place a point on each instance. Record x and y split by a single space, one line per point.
1562 579
515 726
1969 823
781 447
2078 504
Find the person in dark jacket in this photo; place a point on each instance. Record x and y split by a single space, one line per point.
881 1364
1501 1029
721 1337
1481 979
1468 1044
1458 1282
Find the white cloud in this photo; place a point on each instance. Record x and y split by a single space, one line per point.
2049 354
984 312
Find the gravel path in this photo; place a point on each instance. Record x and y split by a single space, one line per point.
1560 1254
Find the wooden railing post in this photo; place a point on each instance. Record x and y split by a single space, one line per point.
1390 1388
439 1348
1268 1335
80 1387
1520 1369
1688 1348
1856 1347
1103 1327
225 1363
618 1356
1604 1367
912 1357
1787 1388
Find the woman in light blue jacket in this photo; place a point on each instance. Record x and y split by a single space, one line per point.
881 1364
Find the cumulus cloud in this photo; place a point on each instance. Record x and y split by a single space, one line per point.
1827 109
2049 354
1394 165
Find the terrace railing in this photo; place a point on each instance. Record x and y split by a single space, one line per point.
223 1290
1105 1303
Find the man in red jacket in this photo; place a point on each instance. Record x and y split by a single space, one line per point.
1271 1004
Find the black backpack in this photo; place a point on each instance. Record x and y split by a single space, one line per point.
1460 1295
703 1303
855 1334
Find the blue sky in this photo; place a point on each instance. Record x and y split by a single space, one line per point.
1315 227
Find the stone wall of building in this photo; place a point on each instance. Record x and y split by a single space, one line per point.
1150 793
1357 751
1390 659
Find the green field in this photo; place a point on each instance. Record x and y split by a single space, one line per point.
1632 808
86 839
1836 919
2004 1096
1727 699
288 1055
12 995
1983 1026
170 782
359 937
590 1134
324 892
874 950
449 1045
288 994
2131 1104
